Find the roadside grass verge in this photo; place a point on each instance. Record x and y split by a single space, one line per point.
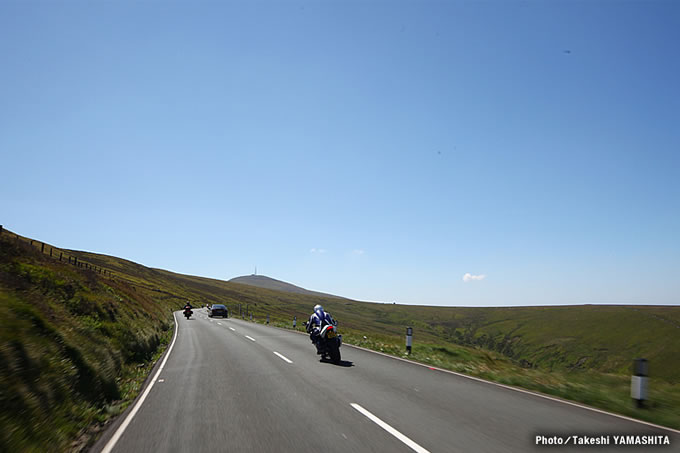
74 350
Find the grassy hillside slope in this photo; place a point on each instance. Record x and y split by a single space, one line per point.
74 348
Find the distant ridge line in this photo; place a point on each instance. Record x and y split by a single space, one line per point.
262 281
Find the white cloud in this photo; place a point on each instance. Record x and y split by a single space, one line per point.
358 252
468 277
317 251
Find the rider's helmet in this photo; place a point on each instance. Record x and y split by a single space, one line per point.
318 309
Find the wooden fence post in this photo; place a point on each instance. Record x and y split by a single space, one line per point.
42 247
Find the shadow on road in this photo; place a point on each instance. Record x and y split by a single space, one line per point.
343 363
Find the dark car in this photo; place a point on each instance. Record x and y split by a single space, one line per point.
218 310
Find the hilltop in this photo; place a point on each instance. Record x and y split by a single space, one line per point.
262 281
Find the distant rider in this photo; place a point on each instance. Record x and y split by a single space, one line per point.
316 322
188 306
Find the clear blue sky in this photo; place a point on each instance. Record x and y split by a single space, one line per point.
379 150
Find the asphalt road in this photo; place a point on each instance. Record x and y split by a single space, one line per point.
232 385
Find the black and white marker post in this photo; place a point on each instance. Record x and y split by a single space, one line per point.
638 382
409 339
294 321
267 319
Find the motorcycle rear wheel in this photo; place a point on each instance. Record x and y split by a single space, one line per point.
334 352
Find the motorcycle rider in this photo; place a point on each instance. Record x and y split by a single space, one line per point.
188 306
316 322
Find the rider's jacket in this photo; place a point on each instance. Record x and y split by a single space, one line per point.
317 320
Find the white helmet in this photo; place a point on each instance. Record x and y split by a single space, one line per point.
318 307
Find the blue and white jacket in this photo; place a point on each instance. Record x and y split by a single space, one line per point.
318 319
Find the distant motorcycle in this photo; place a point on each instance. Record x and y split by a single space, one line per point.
188 312
329 343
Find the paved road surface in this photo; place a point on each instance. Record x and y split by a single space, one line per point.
231 385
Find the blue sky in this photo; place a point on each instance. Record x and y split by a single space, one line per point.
377 150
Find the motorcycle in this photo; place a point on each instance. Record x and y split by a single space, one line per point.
329 342
188 313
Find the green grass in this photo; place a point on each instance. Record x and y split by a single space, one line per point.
74 349
78 344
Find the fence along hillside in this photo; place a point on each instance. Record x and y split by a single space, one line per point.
65 256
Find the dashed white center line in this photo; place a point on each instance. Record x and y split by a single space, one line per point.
414 446
250 338
282 357
219 323
231 328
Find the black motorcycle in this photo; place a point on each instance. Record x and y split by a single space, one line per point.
329 342
188 312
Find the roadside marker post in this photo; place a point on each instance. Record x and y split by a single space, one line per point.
267 319
638 382
294 322
409 339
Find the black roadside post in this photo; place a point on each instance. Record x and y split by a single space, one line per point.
409 339
267 319
638 382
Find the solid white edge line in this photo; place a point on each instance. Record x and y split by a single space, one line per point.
282 357
121 429
250 338
516 389
414 446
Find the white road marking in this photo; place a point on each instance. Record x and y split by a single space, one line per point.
219 323
121 429
231 328
250 338
414 446
284 358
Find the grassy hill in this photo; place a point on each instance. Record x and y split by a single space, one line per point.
262 281
79 334
74 348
